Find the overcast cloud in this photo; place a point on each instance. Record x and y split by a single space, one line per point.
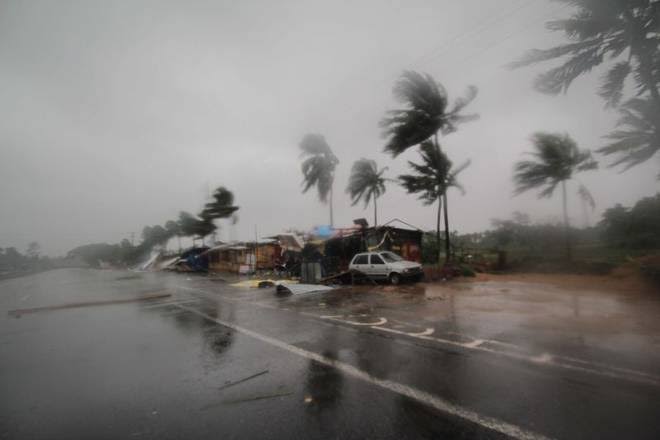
118 114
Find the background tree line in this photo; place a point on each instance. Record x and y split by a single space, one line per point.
198 227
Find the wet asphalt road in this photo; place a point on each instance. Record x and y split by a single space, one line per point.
216 361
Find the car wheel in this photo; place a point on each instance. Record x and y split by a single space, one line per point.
395 278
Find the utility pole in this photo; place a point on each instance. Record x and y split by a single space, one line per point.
256 250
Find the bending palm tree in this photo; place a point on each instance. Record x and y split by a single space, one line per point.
222 205
432 178
366 182
427 112
557 159
626 34
425 115
318 168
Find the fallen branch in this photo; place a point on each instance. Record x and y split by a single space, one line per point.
245 379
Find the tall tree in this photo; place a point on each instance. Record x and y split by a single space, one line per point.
426 113
431 179
366 183
625 34
556 160
318 167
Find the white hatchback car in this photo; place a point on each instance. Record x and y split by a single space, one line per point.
386 265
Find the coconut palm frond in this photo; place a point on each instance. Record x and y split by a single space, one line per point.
433 176
599 31
556 158
557 80
407 128
424 114
366 181
640 138
612 89
221 205
535 56
319 166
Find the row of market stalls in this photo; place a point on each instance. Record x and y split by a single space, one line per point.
270 253
330 251
320 253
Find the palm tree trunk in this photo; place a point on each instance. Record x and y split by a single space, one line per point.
566 225
375 212
447 244
437 229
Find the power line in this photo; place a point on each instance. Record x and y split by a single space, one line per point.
433 53
535 22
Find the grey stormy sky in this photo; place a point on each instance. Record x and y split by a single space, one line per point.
118 114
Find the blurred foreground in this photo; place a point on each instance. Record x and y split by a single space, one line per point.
112 354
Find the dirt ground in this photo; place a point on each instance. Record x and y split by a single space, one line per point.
625 279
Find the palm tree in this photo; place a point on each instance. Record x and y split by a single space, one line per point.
641 138
556 159
318 167
426 112
432 178
221 205
425 115
366 182
626 35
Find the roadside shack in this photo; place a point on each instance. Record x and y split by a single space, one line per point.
334 254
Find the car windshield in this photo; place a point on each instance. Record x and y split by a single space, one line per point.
391 257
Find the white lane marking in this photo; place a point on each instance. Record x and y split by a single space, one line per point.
338 318
598 364
404 390
171 303
546 359
380 321
605 370
543 358
475 343
429 331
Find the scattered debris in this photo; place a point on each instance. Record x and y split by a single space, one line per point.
245 399
245 379
299 289
129 277
252 399
20 312
261 283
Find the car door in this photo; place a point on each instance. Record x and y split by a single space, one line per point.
361 263
377 266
